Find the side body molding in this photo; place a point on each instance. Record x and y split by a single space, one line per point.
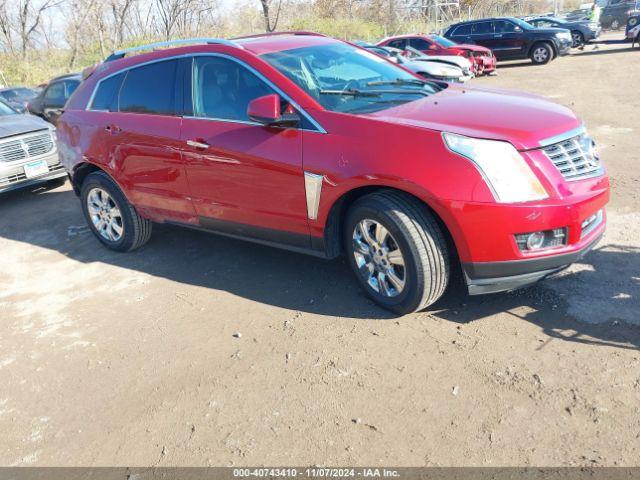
313 190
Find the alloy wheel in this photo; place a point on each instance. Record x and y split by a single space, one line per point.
379 258
540 54
577 39
105 215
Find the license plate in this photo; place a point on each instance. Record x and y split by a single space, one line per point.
36 169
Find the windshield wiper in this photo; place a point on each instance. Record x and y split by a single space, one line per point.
398 81
351 92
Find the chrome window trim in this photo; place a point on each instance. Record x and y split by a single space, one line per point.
318 127
581 130
313 191
123 70
269 83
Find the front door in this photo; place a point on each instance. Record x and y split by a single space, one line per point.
245 178
508 40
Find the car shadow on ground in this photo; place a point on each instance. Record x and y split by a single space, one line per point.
53 220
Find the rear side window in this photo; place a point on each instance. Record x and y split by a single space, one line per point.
482 28
462 30
106 97
150 89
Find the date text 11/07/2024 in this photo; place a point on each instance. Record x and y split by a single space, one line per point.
317 472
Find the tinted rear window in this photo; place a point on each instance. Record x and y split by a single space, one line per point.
482 28
106 97
150 89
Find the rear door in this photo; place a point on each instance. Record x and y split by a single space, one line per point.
139 127
246 179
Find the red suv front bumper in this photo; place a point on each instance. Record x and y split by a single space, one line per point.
485 235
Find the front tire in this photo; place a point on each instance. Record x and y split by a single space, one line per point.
397 251
578 39
110 216
541 53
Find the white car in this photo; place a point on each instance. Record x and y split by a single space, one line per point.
448 68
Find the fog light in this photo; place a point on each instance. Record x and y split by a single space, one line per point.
544 239
535 240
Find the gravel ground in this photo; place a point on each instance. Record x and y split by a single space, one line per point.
199 350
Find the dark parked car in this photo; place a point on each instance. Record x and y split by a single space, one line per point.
28 153
513 39
17 97
581 31
633 28
51 100
617 13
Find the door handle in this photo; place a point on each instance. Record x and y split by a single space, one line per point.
197 144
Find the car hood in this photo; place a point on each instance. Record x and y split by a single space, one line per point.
520 118
431 67
17 124
473 48
450 59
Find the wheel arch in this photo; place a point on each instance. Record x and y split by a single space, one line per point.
551 43
334 225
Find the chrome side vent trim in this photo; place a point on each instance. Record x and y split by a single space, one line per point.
313 190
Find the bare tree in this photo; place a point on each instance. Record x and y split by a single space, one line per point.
29 19
120 10
270 24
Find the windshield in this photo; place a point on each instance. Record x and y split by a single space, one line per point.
445 42
6 109
346 79
521 23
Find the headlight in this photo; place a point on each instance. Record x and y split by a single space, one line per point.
503 168
446 72
593 26
564 35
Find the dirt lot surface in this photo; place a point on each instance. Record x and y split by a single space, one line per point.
109 359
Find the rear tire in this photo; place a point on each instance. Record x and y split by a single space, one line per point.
541 53
110 216
405 266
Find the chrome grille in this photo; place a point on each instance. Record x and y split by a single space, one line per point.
26 146
575 158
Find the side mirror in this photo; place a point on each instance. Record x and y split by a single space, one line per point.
266 110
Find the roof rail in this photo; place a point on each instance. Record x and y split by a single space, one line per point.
273 34
171 43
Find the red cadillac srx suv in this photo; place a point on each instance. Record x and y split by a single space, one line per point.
305 142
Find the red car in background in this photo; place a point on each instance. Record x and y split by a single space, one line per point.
483 60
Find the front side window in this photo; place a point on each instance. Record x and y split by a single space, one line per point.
223 89
150 89
502 26
346 79
420 44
